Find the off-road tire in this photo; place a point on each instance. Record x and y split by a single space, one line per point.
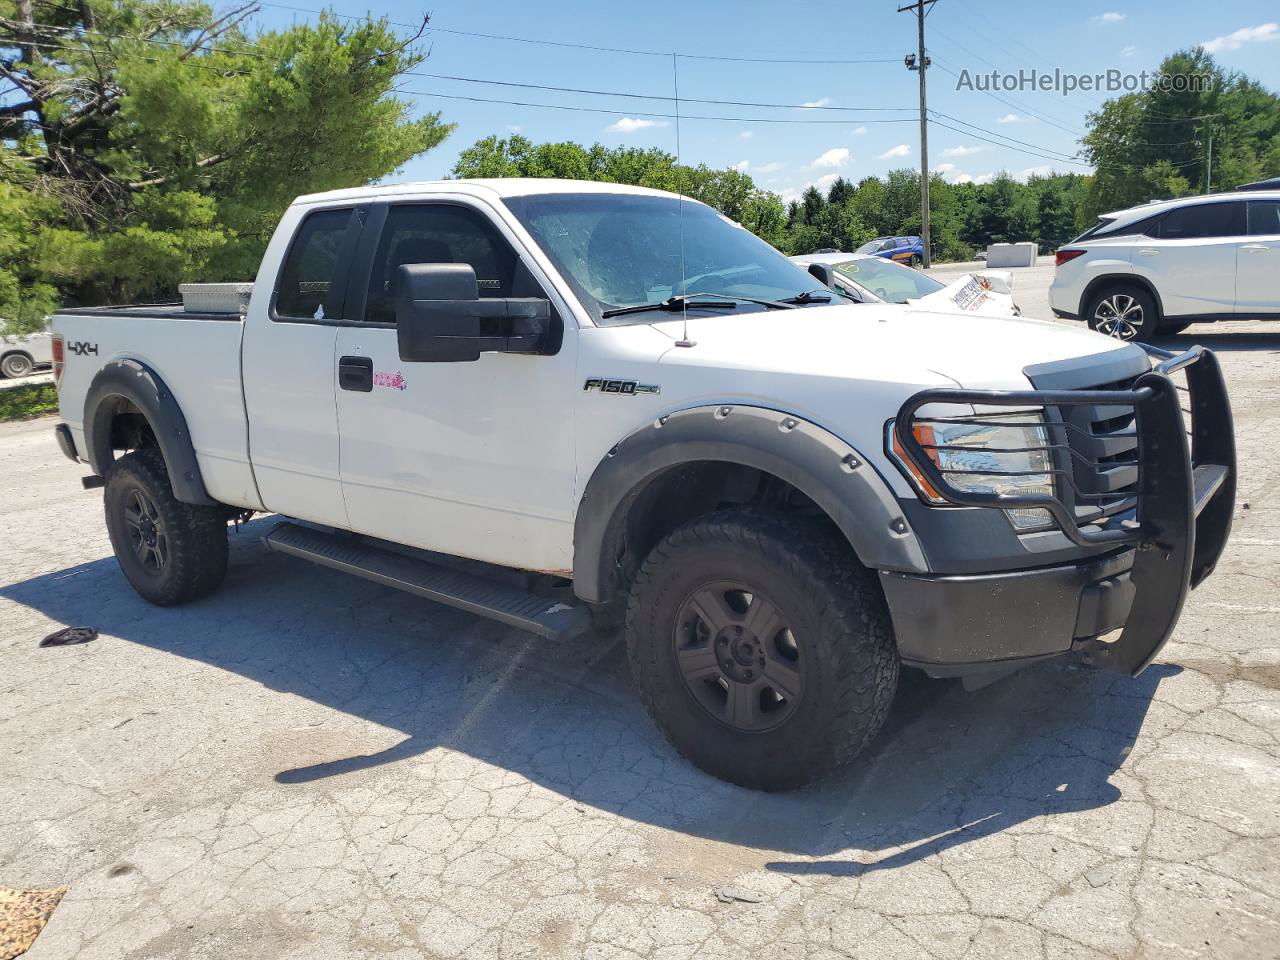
841 626
15 365
1144 321
195 537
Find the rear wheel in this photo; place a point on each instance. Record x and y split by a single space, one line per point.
169 551
761 648
15 365
915 260
1124 312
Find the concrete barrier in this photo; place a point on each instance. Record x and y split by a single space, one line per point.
1011 255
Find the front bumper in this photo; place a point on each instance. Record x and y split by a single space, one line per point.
971 624
1151 543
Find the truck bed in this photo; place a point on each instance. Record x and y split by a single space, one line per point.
153 311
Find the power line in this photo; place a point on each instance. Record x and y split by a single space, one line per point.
584 46
652 96
635 113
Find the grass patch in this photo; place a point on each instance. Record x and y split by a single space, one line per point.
23 403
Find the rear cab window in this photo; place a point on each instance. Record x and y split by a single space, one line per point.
306 288
1203 221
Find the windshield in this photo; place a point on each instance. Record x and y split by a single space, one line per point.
623 250
888 280
875 246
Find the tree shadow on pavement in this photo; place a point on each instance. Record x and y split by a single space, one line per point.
949 767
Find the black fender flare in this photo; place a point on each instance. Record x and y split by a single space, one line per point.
137 383
822 466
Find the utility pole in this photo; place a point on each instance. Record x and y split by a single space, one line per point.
919 61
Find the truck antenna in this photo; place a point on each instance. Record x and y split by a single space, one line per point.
684 340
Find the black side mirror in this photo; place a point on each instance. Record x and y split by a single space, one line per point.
823 273
440 316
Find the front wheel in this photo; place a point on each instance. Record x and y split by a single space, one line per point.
15 365
169 551
1124 312
915 260
761 648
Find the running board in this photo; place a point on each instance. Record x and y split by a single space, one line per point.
485 598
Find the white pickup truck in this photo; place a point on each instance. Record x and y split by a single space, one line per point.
791 495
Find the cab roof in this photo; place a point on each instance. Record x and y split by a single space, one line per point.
498 187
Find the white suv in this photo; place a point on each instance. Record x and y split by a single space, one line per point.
1159 267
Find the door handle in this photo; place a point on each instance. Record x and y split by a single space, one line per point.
1148 252
356 373
1255 248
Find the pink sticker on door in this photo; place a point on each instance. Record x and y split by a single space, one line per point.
393 380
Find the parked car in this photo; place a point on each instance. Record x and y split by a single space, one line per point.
21 353
869 279
639 403
908 250
1159 267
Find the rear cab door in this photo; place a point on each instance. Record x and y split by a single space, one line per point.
289 370
1189 257
1258 262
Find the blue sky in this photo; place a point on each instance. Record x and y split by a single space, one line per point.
975 35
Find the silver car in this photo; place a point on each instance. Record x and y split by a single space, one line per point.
21 353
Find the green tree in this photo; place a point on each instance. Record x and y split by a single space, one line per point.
1155 144
165 140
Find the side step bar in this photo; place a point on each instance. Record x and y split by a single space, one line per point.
466 591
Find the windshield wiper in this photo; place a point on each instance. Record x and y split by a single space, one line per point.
816 295
673 305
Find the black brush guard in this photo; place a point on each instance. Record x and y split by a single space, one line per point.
1178 514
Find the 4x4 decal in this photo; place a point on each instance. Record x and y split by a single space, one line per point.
82 348
626 388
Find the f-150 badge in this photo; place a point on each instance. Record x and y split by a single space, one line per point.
626 388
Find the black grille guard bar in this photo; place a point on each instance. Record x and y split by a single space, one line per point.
1185 492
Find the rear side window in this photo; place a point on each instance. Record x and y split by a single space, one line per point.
1203 221
438 233
1264 218
308 273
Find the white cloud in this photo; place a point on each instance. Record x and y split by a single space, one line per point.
1111 17
833 159
893 153
1041 171
632 124
1236 40
1128 51
746 134
859 131
772 167
962 151
826 180
944 168
1009 118
984 178
740 166
820 102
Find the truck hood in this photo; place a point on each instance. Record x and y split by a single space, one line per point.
888 343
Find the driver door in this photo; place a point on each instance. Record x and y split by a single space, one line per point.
474 459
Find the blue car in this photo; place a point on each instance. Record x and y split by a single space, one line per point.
908 250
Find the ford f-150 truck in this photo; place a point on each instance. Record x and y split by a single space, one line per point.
790 495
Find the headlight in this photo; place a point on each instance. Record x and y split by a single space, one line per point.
1005 455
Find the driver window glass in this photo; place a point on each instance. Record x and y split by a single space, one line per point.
438 233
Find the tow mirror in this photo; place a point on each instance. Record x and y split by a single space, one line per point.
440 316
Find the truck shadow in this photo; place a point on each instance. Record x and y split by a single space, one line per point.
1222 340
949 767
